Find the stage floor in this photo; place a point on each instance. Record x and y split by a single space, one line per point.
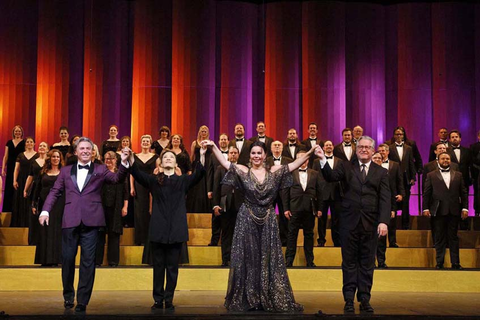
205 304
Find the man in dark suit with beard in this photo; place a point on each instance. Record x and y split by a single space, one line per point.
312 141
292 145
261 136
345 150
365 213
242 144
460 155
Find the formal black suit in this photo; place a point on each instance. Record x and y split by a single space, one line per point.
409 173
230 201
308 145
431 154
445 204
303 205
464 164
244 156
268 143
475 169
332 198
339 152
365 204
286 150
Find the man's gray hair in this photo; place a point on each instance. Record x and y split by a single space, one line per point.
82 139
367 138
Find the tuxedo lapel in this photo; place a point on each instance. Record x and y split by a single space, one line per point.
89 175
356 171
73 176
439 176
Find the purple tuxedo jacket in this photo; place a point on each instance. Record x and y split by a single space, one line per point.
85 206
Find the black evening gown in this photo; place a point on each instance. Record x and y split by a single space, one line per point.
183 162
13 153
258 276
22 209
197 198
49 246
110 146
157 147
34 226
63 150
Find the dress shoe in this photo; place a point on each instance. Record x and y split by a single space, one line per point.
68 304
113 265
457 266
311 265
169 306
80 308
382 266
349 307
393 245
439 266
365 306
321 244
157 305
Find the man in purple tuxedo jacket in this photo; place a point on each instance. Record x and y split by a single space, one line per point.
83 215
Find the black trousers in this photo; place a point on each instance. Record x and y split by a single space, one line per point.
358 261
228 220
335 207
113 248
446 229
406 207
86 237
382 241
305 220
165 260
216 230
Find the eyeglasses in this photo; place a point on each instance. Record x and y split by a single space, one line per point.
364 147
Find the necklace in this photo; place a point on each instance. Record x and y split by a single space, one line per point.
257 185
259 220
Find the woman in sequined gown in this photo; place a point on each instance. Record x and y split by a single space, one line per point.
258 277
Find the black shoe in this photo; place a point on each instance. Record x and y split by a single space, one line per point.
365 306
394 245
80 308
382 266
321 244
68 304
226 264
157 305
439 266
169 306
457 266
213 244
349 307
113 265
311 265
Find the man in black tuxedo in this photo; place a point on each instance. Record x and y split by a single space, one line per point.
475 154
460 155
345 150
226 202
332 198
433 165
312 141
242 144
446 198
292 145
302 202
365 213
261 136
402 153
357 133
443 138
275 160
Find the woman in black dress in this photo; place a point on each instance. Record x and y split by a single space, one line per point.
64 144
71 158
168 226
146 162
183 158
21 206
112 143
162 142
49 246
128 220
12 149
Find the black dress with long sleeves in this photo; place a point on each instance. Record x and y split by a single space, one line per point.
183 161
13 152
197 198
34 226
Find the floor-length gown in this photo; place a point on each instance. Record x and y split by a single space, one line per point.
22 206
197 197
13 152
34 226
258 277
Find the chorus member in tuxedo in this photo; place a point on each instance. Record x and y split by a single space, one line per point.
357 133
262 137
226 203
332 199
21 206
81 184
365 213
258 277
163 140
168 226
302 202
461 156
443 138
242 144
312 141
112 143
292 145
71 157
433 165
346 149
115 205
13 148
146 162
277 159
49 244
417 157
63 145
402 153
446 198
475 154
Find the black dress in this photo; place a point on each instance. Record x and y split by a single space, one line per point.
13 153
197 198
21 206
34 226
49 246
157 147
110 146
63 149
142 201
183 162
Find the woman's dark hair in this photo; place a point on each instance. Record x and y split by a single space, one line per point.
161 175
164 128
181 146
48 161
258 144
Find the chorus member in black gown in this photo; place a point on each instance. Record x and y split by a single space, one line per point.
71 158
346 149
64 145
21 206
168 226
96 158
199 197
128 220
262 136
162 142
112 143
312 141
258 277
475 150
292 145
146 162
115 205
443 138
417 157
49 246
357 133
12 149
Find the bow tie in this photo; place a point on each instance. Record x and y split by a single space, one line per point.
443 141
225 152
261 137
302 170
347 144
241 139
312 139
276 159
455 148
328 157
399 145
84 167
292 145
386 161
445 170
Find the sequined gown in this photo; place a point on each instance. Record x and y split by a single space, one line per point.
258 276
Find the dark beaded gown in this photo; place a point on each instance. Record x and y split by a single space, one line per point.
22 206
258 276
13 152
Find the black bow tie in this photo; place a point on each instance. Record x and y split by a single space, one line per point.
445 170
302 170
261 137
225 152
292 145
456 148
399 145
386 161
328 157
347 144
84 167
276 159
443 141
312 139
239 139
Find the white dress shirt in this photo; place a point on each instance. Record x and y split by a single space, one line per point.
82 175
313 142
292 150
457 153
399 148
348 151
446 177
330 161
262 138
303 179
385 164
239 144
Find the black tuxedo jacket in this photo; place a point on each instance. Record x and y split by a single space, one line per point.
340 153
464 164
286 150
432 166
283 160
441 200
368 201
331 190
475 154
295 199
395 179
244 156
407 165
225 196
268 143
